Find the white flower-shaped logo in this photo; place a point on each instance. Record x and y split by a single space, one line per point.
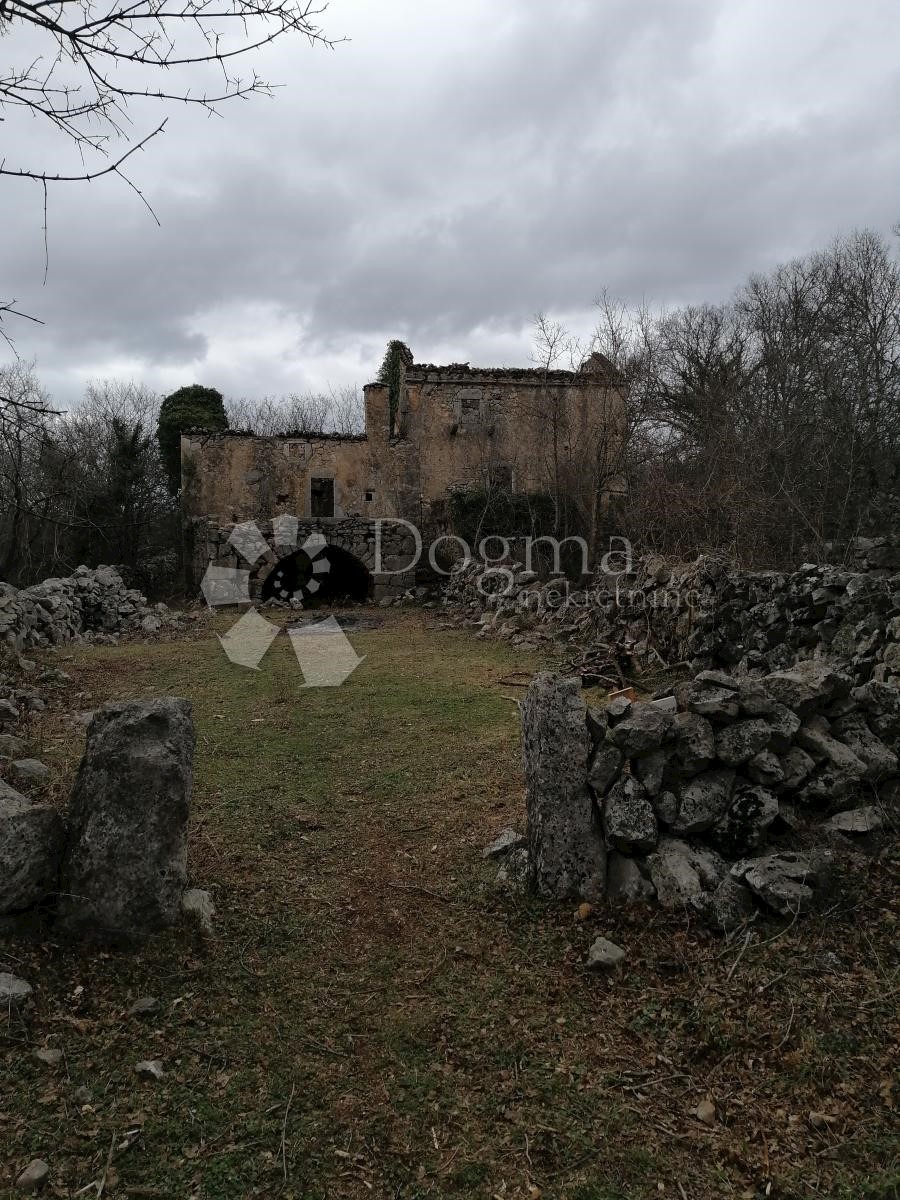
324 652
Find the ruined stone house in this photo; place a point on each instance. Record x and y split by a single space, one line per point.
452 427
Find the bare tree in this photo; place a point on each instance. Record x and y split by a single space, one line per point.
552 345
82 65
339 411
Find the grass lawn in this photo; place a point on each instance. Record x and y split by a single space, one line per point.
373 1018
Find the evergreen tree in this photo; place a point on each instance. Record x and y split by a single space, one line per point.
397 356
193 407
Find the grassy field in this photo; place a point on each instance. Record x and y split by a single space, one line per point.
373 1019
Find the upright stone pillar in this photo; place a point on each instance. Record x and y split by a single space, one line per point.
125 865
565 842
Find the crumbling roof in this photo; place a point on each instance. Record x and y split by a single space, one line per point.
597 364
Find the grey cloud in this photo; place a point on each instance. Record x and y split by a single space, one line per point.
457 167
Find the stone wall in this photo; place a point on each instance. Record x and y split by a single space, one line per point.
258 547
701 615
455 426
726 794
91 604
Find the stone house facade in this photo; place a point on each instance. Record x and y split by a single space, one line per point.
453 427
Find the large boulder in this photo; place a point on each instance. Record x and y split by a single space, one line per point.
567 855
125 867
31 846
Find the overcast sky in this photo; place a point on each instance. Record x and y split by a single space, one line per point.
454 167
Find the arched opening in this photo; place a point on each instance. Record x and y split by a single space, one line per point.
328 576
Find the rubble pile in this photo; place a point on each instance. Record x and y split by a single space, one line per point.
90 605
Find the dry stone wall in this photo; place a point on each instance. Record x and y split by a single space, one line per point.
91 604
703 615
727 794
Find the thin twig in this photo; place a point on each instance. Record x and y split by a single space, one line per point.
284 1132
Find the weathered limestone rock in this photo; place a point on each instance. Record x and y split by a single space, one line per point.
605 766
783 725
649 769
197 905
30 771
604 955
625 882
743 826
14 992
617 710
857 821
629 821
695 743
853 731
783 881
33 1178
665 805
882 704
727 905
755 701
766 768
505 842
12 747
125 870
31 846
797 766
703 801
565 844
683 873
737 743
808 685
708 700
643 730
814 736
151 1068
50 1056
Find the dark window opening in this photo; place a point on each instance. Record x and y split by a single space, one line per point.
330 576
370 496
321 498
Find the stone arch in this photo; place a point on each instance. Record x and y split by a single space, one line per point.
355 536
328 575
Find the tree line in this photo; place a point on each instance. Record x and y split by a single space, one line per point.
760 428
100 482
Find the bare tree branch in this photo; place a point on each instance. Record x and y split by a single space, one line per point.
99 58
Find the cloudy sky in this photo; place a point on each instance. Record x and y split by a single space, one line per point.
454 167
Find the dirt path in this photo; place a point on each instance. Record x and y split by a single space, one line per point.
374 1019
